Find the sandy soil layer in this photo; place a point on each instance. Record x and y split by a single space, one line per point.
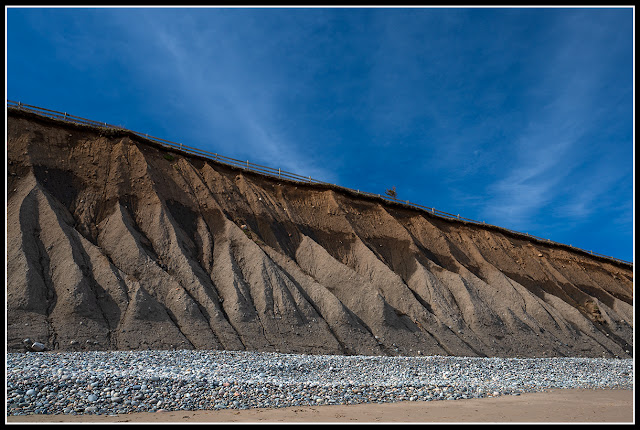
573 406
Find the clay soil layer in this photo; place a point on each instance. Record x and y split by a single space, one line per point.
116 243
561 406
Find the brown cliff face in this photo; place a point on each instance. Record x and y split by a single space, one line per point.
111 244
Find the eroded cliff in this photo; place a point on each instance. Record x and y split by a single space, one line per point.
112 244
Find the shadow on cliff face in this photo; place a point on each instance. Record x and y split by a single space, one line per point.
62 184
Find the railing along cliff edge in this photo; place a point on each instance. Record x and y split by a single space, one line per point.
279 173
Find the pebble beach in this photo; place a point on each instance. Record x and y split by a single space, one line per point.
122 382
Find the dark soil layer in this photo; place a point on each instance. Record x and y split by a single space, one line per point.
112 245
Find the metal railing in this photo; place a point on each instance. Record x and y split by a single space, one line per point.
281 174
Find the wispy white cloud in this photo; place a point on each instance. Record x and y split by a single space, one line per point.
530 184
537 169
219 81
540 171
603 189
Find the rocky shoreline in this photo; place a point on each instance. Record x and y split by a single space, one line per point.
119 382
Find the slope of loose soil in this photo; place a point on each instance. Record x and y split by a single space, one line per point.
110 245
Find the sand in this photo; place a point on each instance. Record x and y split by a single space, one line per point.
553 406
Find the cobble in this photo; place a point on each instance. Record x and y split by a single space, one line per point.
148 381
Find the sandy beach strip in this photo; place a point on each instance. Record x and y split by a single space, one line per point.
557 405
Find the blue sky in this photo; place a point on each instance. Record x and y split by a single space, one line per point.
519 117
